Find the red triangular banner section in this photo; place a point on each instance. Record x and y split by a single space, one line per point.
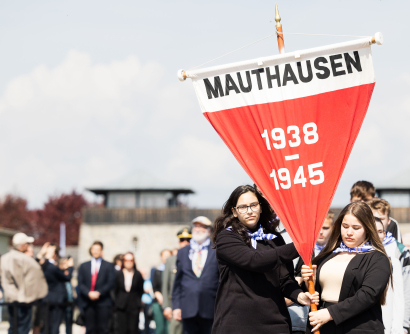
291 124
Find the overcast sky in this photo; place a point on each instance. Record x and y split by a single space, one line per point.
89 93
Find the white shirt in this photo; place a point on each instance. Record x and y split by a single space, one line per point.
393 310
128 276
95 264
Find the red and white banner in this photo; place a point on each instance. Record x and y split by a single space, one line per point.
291 121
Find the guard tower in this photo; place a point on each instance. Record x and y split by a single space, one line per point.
140 190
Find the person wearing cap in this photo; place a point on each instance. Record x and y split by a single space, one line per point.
175 327
23 282
196 281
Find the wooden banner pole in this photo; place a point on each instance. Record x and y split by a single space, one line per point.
311 286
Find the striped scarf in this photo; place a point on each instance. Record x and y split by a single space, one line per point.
195 247
258 235
367 247
319 248
388 239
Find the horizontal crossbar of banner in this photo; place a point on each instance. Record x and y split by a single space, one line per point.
277 59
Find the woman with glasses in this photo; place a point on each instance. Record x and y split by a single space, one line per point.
128 293
255 267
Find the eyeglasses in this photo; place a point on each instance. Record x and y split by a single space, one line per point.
184 239
255 207
128 260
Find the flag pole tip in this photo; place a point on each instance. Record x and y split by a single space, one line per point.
181 75
277 16
378 38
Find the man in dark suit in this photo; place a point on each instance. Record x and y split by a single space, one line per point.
57 293
196 281
96 278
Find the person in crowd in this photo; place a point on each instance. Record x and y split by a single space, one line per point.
147 298
394 249
161 324
320 242
366 191
117 262
196 281
351 274
255 265
128 292
324 233
64 264
96 278
57 293
393 310
175 327
23 281
30 251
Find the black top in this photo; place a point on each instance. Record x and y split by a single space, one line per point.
56 279
128 300
253 284
392 228
157 280
358 309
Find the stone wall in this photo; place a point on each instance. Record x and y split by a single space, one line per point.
118 238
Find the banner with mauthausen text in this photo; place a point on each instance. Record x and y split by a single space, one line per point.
291 121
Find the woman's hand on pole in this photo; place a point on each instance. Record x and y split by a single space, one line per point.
307 273
305 298
319 318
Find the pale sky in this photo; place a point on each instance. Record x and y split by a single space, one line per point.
89 93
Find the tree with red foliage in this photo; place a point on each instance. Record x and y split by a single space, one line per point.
62 208
15 215
44 224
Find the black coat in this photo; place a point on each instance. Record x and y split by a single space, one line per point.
253 284
358 310
195 296
56 279
105 283
130 301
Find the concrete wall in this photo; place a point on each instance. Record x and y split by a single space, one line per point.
118 238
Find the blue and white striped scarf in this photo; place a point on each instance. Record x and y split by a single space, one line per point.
367 247
319 248
258 235
388 239
195 247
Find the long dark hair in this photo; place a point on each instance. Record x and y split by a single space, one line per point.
365 216
267 219
133 258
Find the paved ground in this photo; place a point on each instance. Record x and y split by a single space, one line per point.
4 326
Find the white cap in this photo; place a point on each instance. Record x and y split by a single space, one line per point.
202 220
21 239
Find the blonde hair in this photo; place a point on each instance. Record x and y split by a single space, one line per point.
381 205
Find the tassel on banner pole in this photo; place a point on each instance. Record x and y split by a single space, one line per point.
279 31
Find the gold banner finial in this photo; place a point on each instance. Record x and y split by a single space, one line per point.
277 17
